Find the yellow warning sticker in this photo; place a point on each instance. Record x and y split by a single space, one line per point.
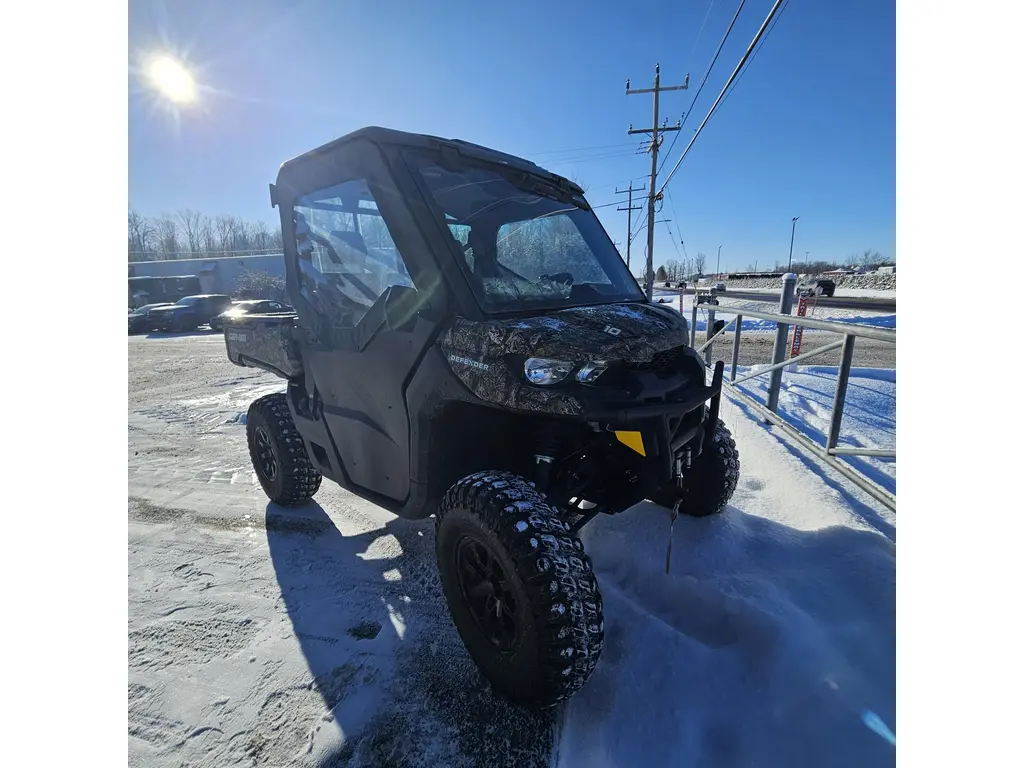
632 440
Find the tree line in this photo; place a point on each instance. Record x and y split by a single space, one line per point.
692 268
190 234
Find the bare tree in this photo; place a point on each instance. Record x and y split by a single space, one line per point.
698 263
190 224
259 234
222 226
167 237
207 236
140 237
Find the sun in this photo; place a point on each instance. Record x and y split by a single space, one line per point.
170 77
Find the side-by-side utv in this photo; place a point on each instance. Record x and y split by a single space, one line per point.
467 343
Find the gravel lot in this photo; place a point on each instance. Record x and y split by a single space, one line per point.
756 348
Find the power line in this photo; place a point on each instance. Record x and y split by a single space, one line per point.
704 79
699 33
578 149
767 34
590 158
732 77
672 205
672 237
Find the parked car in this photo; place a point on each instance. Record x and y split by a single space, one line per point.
140 321
720 287
248 307
189 313
822 287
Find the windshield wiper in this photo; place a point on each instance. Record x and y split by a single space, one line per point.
548 189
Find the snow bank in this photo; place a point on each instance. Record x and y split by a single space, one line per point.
770 643
865 293
855 316
869 416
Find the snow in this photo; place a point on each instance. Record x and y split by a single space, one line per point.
771 641
869 416
856 316
865 293
319 635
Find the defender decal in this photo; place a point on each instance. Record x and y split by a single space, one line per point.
466 361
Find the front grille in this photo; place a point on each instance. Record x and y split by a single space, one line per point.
663 362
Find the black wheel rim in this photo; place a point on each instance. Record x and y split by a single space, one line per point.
266 463
487 592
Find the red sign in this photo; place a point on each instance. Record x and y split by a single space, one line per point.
798 332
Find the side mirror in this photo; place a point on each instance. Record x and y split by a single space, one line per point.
401 307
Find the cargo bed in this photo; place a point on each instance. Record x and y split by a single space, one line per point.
264 341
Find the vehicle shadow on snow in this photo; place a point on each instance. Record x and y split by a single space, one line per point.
764 645
370 618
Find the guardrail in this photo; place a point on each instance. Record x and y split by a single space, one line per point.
830 451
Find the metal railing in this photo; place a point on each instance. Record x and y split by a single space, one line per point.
830 451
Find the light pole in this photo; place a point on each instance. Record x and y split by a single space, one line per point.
791 238
719 269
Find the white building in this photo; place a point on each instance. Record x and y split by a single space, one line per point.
215 275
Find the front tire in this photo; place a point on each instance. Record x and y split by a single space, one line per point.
521 591
278 454
710 481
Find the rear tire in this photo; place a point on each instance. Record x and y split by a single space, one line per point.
521 591
710 481
278 454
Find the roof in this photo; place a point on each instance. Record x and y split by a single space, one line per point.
379 135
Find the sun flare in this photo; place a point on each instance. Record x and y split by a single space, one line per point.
170 77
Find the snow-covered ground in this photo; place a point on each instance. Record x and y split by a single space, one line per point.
857 316
869 416
319 636
866 293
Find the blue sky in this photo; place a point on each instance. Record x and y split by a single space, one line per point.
810 130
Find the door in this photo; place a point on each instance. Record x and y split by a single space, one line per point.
348 264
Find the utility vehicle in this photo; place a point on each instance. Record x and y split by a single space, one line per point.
467 343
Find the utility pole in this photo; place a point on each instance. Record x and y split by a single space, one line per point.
655 130
791 237
629 215
719 269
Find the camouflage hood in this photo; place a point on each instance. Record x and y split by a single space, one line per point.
634 332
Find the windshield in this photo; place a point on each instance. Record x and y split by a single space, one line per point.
525 243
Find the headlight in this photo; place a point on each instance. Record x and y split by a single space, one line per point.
543 372
588 373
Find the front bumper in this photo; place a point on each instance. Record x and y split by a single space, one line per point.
628 415
660 431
